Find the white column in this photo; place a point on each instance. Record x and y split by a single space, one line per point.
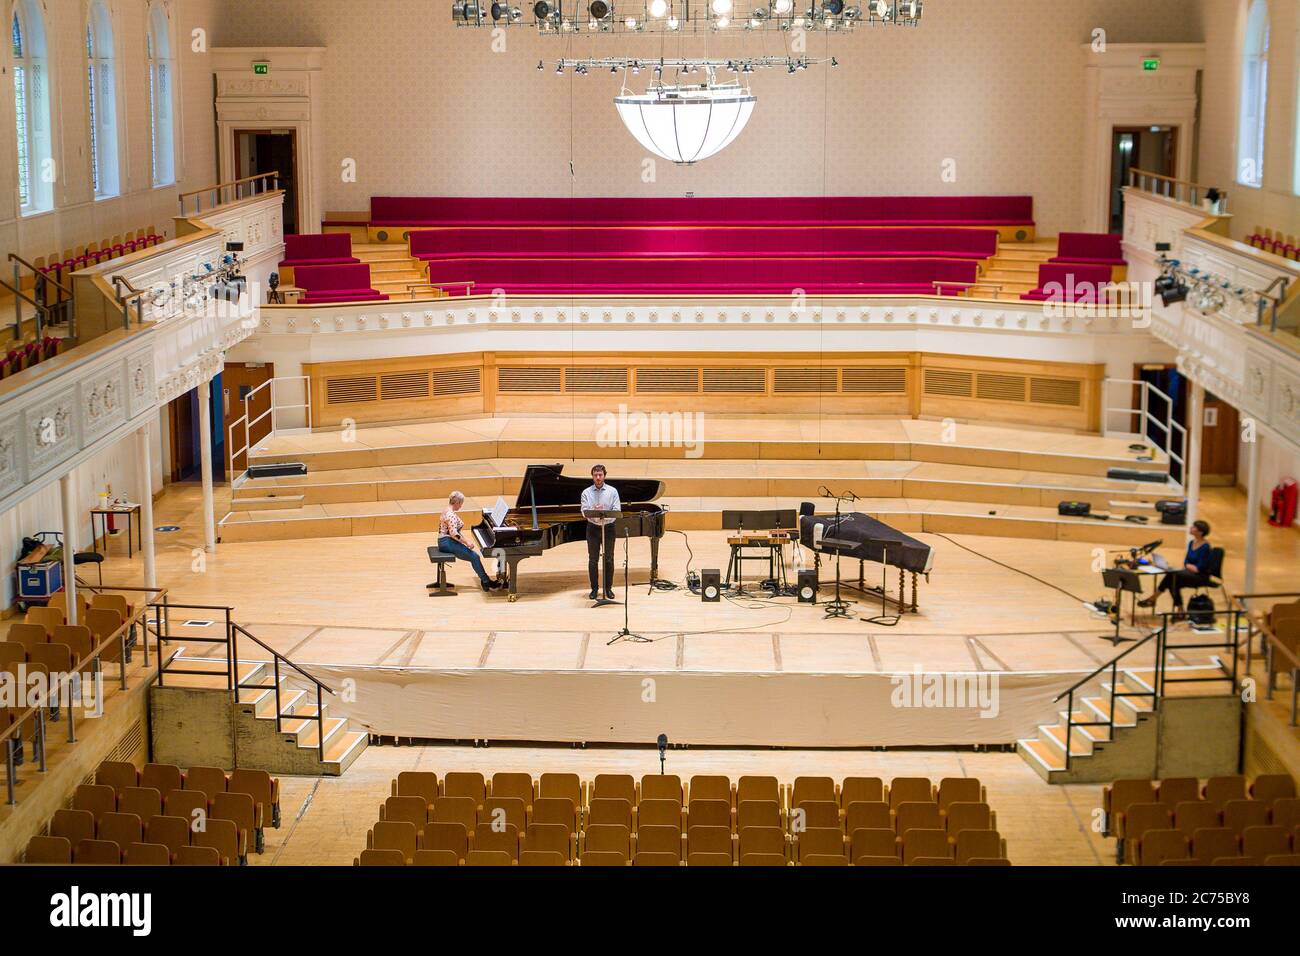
68 491
205 464
144 465
1252 511
1192 453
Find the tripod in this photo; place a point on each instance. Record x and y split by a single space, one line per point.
624 633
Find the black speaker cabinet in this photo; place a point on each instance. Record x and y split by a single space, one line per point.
710 585
807 587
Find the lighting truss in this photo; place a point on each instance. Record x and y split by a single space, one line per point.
567 17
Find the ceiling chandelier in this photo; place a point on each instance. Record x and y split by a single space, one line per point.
566 17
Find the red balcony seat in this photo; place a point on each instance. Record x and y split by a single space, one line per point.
1089 247
328 248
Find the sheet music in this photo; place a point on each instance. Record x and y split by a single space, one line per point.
499 511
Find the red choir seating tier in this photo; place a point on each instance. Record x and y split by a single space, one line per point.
1070 282
335 283
716 276
330 248
1089 247
705 241
714 211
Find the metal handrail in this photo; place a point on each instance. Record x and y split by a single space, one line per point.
216 189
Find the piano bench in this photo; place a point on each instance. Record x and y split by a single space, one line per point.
440 587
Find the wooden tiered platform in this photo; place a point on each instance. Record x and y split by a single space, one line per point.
986 480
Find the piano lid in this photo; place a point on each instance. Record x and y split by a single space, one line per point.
547 485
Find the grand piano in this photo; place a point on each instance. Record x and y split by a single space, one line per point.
861 537
547 514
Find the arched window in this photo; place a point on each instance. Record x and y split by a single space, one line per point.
1254 97
32 109
101 90
161 126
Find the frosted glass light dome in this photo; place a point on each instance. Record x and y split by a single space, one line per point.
685 124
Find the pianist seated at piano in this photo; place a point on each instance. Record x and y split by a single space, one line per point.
452 540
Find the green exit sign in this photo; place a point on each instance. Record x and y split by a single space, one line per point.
261 69
1151 64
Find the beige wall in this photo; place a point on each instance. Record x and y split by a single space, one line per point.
426 109
77 218
1276 205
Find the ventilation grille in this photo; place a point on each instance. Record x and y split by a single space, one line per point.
1056 391
662 380
946 381
874 381
524 379
787 380
457 381
991 386
346 391
399 385
595 380
735 381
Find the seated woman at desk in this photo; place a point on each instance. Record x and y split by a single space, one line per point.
1194 572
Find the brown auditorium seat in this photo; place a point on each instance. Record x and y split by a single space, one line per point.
417 783
960 790
451 836
171 832
820 859
659 812
1139 818
561 785
655 858
1156 846
1210 843
518 786
762 840
613 810
861 790
460 810
910 790
460 783
1240 814
210 780
489 858
710 787
819 840
265 791
758 788
815 814
503 811
1220 790
865 860
49 849
709 813
97 853
924 843
192 805
708 839
122 828
659 839
379 857
196 856
873 841
864 815
74 825
556 810
117 774
1175 790
916 815
614 786
1285 813
541 858
763 859
1193 815
1283 859
163 777
1272 786
435 858
147 854
708 859
813 788
411 809
398 835
497 839
604 858
222 836
607 838
757 813
990 861
1259 842
240 810
99 799
659 786
548 838
979 844
968 816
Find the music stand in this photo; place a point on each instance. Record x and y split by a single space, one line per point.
601 600
1122 580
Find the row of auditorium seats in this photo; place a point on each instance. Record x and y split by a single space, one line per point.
162 815
464 819
1225 820
1269 240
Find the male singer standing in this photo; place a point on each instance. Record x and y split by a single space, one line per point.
600 497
